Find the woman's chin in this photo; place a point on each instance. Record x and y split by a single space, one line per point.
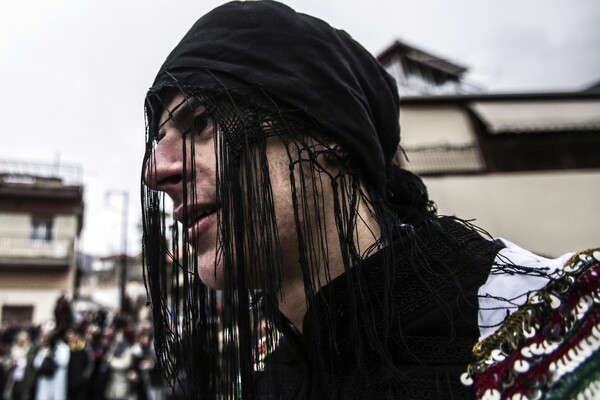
210 273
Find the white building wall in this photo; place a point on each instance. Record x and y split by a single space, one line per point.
550 213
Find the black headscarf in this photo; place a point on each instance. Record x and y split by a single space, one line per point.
303 62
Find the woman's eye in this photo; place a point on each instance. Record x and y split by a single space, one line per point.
199 124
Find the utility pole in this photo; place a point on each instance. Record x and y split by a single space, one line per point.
123 270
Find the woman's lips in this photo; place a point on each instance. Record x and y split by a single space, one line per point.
200 227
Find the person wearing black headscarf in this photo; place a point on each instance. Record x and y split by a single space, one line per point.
302 262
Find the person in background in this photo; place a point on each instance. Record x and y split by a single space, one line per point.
151 385
5 363
120 363
63 314
52 385
81 365
22 375
101 345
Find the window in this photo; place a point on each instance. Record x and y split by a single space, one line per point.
17 314
41 229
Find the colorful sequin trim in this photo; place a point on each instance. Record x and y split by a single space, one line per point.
549 347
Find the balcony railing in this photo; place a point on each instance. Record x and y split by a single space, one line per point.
25 171
444 160
12 247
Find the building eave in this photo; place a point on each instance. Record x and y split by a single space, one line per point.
459 98
398 47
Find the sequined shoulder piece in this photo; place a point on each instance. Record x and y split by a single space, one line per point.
549 347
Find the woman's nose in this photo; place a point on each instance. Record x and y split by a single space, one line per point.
164 169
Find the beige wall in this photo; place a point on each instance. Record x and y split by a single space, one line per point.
38 287
42 300
436 125
15 230
41 285
19 224
50 278
551 213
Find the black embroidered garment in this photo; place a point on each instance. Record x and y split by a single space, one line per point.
428 341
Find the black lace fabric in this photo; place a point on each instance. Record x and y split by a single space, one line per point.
381 333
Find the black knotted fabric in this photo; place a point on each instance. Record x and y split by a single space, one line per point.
267 76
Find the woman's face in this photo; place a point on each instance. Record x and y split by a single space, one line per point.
184 166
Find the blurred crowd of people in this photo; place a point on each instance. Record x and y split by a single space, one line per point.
98 357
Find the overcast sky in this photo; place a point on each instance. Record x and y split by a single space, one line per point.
74 73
